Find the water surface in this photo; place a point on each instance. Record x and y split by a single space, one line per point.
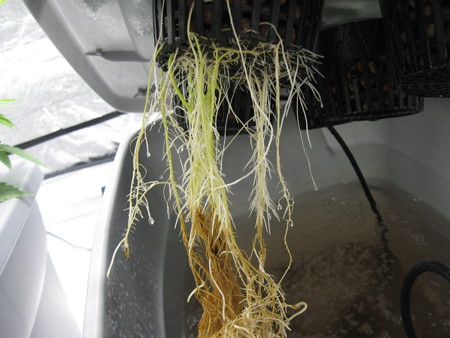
349 276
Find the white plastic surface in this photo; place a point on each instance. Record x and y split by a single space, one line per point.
54 318
13 213
22 279
22 253
31 297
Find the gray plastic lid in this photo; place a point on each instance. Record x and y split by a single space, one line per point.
108 43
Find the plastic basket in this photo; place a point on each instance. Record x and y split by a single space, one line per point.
359 81
418 34
297 22
316 114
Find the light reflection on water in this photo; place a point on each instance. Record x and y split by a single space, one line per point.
349 277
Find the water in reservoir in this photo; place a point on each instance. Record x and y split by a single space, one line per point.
349 276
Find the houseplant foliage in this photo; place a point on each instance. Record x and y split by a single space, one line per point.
7 191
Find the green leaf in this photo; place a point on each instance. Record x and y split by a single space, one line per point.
7 103
5 121
21 153
7 192
1 2
2 101
5 159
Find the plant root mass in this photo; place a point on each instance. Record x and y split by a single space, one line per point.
239 298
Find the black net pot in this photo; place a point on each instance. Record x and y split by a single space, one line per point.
359 81
297 22
315 113
418 33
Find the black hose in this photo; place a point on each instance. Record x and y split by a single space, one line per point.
68 130
352 160
82 165
373 204
439 268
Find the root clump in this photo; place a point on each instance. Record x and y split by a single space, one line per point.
239 298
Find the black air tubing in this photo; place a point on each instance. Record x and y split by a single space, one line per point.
352 160
439 268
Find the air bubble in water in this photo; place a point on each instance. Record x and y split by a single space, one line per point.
279 207
151 220
290 224
148 154
161 177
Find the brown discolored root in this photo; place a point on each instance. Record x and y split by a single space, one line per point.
220 295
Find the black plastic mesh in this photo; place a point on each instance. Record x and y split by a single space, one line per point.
359 80
297 22
418 34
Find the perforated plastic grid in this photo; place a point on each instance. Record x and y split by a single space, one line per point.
418 34
296 21
359 81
